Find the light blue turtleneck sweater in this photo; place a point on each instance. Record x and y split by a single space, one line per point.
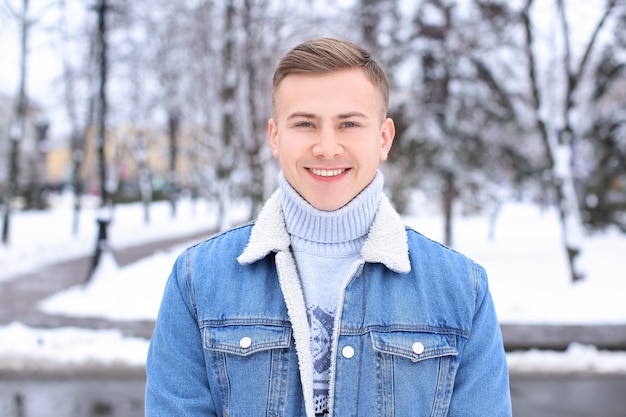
327 247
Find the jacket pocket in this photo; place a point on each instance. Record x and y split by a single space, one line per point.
246 340
416 346
415 372
249 367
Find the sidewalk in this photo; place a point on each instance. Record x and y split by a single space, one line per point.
19 298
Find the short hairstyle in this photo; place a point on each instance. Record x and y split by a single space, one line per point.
326 55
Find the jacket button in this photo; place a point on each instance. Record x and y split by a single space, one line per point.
347 352
245 342
418 348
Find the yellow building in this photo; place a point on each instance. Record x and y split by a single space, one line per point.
126 149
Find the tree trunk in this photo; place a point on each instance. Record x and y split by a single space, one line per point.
16 130
227 159
173 128
569 209
105 213
558 166
78 130
449 196
143 173
256 67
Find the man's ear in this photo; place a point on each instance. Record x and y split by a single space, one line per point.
388 132
272 135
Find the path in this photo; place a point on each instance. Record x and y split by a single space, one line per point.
20 296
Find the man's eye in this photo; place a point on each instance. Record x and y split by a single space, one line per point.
304 124
349 124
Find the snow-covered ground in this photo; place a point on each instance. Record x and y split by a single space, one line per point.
524 260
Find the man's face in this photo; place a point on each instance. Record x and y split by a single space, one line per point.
328 135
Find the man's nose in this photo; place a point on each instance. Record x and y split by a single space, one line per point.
328 145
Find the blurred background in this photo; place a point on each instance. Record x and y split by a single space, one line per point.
142 124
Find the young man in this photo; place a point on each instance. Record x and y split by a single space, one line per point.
327 305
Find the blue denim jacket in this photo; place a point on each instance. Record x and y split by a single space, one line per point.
415 334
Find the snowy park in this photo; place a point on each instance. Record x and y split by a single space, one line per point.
524 259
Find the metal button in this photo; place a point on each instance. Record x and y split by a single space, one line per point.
418 348
245 342
347 352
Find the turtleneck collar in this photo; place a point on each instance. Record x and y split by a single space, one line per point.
346 224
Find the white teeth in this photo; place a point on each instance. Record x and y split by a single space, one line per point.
327 172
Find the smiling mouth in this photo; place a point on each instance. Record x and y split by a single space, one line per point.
328 172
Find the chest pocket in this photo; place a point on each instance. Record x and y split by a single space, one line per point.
417 371
246 340
249 367
416 346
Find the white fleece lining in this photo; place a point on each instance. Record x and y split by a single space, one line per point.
269 233
387 241
294 298
335 342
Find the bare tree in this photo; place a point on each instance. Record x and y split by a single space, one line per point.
18 124
228 135
258 50
141 100
557 130
169 51
456 123
80 117
104 215
603 142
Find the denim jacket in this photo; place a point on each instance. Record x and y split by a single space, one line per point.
416 333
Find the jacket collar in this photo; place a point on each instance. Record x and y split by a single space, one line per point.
386 242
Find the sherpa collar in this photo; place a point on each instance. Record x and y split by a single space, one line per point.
386 242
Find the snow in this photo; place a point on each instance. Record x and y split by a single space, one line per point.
41 237
45 349
139 301
527 266
524 260
576 359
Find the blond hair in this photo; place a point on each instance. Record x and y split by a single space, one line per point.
326 55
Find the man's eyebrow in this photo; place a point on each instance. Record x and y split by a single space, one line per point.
352 114
342 116
303 115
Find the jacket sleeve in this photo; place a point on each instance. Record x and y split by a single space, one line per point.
176 382
482 382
